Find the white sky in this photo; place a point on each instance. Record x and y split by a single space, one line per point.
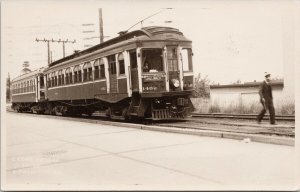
232 40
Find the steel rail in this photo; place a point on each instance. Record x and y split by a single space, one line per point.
241 116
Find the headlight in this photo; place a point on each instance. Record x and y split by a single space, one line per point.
175 82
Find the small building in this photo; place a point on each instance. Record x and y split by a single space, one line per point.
244 98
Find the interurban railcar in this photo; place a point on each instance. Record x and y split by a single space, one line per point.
146 73
28 91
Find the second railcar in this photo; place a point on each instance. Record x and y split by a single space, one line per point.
28 92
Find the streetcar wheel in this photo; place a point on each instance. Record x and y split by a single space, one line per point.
57 111
124 113
108 112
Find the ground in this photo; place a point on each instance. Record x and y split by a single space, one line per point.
43 153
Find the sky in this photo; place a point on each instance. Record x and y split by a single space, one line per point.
232 40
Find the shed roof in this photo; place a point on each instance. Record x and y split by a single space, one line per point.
246 84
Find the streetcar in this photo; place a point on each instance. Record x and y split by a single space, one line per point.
147 73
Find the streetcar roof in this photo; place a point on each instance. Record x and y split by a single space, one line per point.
29 74
149 33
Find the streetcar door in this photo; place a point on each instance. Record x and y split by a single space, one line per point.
112 74
134 71
173 69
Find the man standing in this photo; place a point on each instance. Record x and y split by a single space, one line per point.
266 99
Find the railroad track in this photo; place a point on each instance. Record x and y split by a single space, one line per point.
279 134
253 129
241 116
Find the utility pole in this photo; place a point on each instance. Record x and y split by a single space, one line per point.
63 43
48 46
101 25
54 41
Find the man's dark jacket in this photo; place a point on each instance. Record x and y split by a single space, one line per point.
265 91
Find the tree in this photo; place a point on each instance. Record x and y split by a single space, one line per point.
202 86
8 88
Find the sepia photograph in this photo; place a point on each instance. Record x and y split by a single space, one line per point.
150 95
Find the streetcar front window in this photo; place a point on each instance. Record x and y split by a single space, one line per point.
186 56
152 60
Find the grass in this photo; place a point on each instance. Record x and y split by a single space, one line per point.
288 109
283 107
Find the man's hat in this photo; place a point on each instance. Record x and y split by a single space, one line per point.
267 74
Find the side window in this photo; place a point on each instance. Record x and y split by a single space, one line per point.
102 69
62 78
55 79
96 69
87 72
48 80
77 74
68 76
30 86
52 80
186 56
42 81
33 85
133 59
90 72
112 64
121 64
59 77
27 86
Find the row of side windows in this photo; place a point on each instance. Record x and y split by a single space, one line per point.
23 87
58 78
